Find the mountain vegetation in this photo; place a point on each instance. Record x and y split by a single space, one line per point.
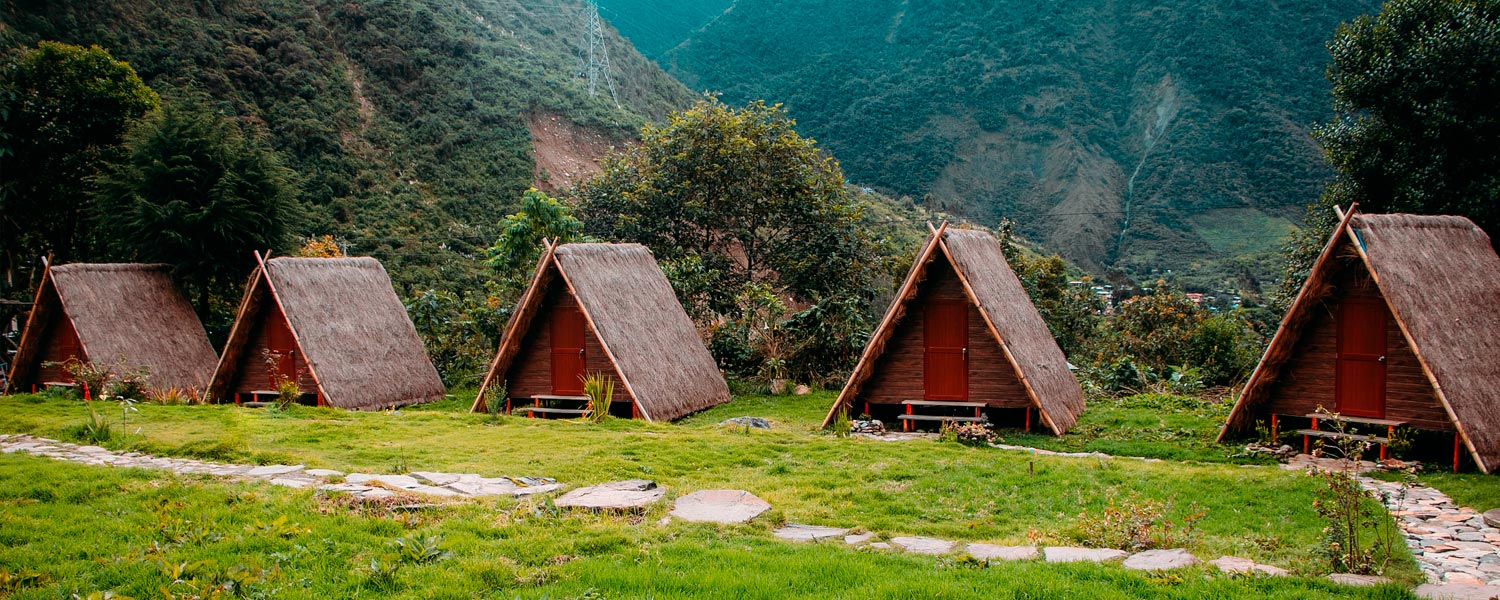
1137 136
405 122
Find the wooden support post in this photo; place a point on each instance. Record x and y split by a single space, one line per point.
976 411
1028 419
1305 447
507 405
1456 446
321 403
1274 424
33 388
635 412
86 391
1390 431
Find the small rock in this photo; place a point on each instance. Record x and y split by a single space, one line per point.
1066 554
291 482
1492 518
752 422
630 494
1160 560
345 487
923 545
859 538
797 532
992 552
537 489
1357 580
272 470
801 390
1451 591
1460 578
719 506
664 521
324 473
879 546
483 489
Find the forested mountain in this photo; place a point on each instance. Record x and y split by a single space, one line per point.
411 124
1162 134
655 26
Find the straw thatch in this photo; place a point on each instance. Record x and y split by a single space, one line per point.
349 326
1440 277
128 316
1008 313
629 305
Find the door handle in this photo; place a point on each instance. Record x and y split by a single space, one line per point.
1381 359
966 352
580 353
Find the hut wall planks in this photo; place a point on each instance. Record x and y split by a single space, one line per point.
897 375
1307 379
530 372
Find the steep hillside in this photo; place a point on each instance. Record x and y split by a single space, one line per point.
655 26
410 122
1164 134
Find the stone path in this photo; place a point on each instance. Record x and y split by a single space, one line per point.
1453 544
363 485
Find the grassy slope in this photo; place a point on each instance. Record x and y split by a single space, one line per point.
918 487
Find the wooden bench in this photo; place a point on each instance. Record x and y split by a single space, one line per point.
536 405
532 411
909 417
1389 424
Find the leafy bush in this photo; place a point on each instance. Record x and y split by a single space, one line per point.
968 434
1137 524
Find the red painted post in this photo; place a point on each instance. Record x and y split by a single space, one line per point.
86 391
33 388
1028 419
1455 451
907 425
507 405
1274 425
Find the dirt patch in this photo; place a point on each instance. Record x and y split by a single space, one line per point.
564 153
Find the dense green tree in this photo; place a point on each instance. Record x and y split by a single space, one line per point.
1072 312
195 190
739 190
63 110
1417 90
516 251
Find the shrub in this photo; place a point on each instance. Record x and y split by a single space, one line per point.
968 434
1137 524
1349 511
600 389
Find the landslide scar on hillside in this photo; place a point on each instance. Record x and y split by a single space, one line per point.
564 153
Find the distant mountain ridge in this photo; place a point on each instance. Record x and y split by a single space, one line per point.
410 122
1143 135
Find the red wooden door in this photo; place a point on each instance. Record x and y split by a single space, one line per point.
281 344
945 370
1359 384
567 351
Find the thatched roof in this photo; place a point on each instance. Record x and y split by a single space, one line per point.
349 325
129 316
1440 277
1008 313
631 307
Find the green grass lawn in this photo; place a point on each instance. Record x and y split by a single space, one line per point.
91 528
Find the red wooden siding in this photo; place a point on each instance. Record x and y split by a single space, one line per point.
530 372
272 332
59 345
1307 380
898 373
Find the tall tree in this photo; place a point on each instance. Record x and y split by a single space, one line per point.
739 190
63 110
196 191
1417 90
521 234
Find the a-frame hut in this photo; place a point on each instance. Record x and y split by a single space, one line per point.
962 336
333 325
607 309
1396 325
127 316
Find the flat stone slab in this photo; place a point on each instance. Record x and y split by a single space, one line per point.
797 532
396 481
431 478
1160 560
618 495
1067 554
992 552
752 422
324 473
1245 566
1357 580
859 538
720 506
292 482
1492 518
1457 591
923 545
537 489
272 470
350 488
